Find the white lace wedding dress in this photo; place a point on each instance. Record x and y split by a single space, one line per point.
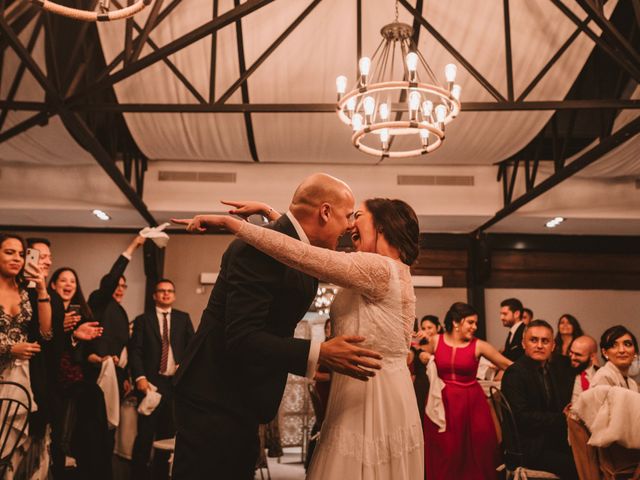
371 429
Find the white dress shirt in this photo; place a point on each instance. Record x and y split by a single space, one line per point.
314 348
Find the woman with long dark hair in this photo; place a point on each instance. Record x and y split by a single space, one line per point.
79 419
568 330
371 428
16 312
465 446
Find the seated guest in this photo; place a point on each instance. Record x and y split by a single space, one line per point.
527 315
568 330
157 346
584 361
511 317
619 348
538 391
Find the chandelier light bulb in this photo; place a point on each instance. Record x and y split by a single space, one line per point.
356 122
441 113
384 111
450 72
412 61
351 104
341 84
369 105
455 91
427 108
384 138
365 65
414 100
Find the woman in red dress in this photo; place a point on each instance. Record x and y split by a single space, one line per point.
466 448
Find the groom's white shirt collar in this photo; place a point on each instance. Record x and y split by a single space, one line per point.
301 235
314 347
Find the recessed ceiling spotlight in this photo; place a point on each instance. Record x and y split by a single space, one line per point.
101 215
554 222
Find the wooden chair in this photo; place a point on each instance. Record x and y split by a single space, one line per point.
14 413
511 446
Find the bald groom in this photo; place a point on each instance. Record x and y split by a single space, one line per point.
235 369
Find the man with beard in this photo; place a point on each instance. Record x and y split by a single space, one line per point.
584 360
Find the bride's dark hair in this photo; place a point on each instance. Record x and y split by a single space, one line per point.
397 221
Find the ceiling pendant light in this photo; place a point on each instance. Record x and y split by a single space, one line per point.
379 108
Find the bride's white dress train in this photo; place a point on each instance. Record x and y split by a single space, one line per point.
371 429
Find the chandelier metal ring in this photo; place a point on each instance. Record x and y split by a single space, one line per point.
89 16
444 95
398 128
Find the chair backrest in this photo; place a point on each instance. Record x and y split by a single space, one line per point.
316 402
511 446
15 405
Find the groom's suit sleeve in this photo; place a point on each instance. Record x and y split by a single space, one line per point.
253 279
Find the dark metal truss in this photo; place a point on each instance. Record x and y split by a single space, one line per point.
68 98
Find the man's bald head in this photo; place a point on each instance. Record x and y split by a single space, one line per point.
317 189
583 352
323 206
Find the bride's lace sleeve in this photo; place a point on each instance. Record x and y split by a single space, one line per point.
369 273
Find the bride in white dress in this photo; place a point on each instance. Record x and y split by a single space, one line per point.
371 429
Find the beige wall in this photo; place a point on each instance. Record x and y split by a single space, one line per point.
92 255
186 257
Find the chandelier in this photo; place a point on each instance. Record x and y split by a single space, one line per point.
422 107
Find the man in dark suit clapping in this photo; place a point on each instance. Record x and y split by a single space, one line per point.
538 392
157 346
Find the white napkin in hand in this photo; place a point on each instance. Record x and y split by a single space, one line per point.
156 234
150 401
108 382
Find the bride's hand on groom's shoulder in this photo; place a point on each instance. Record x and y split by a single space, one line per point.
343 355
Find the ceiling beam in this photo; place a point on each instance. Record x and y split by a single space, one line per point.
584 160
458 56
331 107
631 68
176 45
616 39
75 125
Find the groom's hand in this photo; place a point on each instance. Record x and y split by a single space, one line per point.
343 355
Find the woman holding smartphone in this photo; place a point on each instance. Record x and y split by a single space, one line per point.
79 419
16 312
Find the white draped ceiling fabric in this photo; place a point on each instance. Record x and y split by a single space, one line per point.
304 67
48 145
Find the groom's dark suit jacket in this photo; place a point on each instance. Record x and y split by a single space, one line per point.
238 360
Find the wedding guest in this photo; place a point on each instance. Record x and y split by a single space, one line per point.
584 361
568 330
79 427
16 315
527 315
511 317
157 347
465 446
538 391
429 328
105 303
619 348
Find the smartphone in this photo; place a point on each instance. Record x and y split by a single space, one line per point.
32 258
74 308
